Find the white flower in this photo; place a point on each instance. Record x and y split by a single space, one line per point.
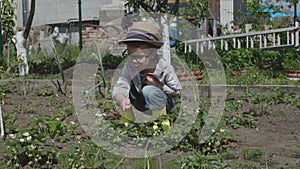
57 119
22 140
213 130
13 136
72 123
222 130
26 134
28 138
98 115
32 146
155 127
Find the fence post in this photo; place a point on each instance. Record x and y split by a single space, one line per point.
297 34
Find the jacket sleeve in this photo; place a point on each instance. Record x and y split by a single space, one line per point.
122 85
172 85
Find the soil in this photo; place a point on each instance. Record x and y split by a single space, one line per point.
275 134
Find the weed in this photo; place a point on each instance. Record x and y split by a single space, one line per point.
247 166
84 155
54 100
25 148
296 150
277 113
44 90
296 102
227 154
252 154
198 160
9 123
34 104
4 89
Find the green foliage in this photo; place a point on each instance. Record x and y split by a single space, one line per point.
112 61
197 9
44 90
5 88
291 60
258 17
147 5
32 146
35 146
8 17
253 154
9 123
238 59
238 118
25 148
84 155
196 160
296 150
267 59
48 64
227 154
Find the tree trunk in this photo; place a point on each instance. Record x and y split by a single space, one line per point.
21 38
21 54
29 21
166 46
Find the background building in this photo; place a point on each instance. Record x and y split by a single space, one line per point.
59 11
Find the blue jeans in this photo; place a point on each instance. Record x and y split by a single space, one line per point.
151 97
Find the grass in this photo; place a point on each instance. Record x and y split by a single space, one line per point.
296 150
277 113
227 154
253 154
255 77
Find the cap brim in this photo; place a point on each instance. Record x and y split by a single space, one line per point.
155 43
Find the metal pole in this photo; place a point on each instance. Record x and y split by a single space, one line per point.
25 12
295 13
1 45
80 25
1 124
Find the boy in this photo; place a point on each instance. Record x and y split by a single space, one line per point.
147 82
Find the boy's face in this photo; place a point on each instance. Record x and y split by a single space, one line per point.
140 55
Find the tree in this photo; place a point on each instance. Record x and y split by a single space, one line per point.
7 17
21 38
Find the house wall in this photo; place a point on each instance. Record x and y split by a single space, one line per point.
232 11
56 11
214 5
226 12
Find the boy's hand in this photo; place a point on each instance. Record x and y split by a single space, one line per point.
150 80
125 104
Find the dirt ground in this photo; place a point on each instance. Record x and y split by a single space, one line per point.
275 134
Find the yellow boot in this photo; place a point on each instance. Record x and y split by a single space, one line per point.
127 116
161 112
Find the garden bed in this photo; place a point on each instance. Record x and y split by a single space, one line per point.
270 137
